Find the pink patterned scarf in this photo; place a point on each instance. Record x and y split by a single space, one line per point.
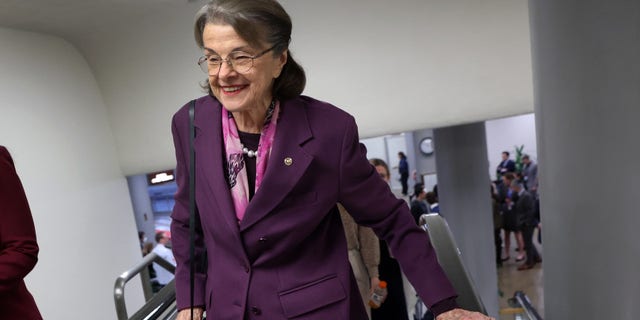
238 181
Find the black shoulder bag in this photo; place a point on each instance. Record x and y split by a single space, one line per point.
192 203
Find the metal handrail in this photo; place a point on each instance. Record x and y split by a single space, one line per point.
161 306
121 281
450 258
526 304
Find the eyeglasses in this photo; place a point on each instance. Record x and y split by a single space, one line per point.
241 62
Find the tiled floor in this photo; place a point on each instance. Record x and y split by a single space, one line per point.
530 282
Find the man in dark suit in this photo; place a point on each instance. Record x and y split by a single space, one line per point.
18 246
530 175
525 213
507 165
418 204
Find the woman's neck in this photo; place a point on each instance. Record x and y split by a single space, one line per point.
252 120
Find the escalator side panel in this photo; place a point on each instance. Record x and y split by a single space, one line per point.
449 257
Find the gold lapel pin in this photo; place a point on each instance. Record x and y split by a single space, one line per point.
288 161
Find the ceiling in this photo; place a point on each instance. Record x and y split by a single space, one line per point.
74 19
396 66
465 40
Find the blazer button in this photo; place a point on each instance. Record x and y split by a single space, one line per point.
262 239
246 269
256 311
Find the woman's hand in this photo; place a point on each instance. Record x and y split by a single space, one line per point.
461 314
375 282
185 314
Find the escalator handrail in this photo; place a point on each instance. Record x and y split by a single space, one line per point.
121 281
450 258
526 304
162 303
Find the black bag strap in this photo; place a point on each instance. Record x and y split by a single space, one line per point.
192 202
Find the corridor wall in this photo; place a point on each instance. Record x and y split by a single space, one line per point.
53 120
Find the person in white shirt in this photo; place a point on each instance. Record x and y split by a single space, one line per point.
163 275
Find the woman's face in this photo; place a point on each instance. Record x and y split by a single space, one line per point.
384 174
240 91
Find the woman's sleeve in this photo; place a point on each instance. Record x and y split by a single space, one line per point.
180 225
371 203
18 246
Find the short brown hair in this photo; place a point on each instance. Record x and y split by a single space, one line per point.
159 236
431 198
379 162
509 176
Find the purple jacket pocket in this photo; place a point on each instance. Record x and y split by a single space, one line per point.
312 296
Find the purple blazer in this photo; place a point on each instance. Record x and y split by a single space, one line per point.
18 246
287 259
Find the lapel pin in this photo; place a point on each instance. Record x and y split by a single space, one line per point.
288 161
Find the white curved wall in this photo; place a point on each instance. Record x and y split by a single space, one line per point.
146 72
54 122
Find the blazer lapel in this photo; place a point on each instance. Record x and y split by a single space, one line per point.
209 149
287 163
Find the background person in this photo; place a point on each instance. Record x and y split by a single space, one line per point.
163 276
418 204
432 201
506 165
530 175
510 218
270 167
143 239
18 245
395 306
403 170
497 224
364 256
146 249
525 211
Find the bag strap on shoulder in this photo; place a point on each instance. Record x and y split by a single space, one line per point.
192 203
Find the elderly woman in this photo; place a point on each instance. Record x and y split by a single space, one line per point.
270 166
